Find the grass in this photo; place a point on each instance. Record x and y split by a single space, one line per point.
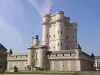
53 73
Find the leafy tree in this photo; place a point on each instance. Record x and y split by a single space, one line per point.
15 69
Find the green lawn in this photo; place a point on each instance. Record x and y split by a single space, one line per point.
49 73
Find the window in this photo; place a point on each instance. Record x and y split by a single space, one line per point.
70 54
67 37
63 54
58 44
61 32
54 47
54 35
47 35
63 65
58 32
61 44
56 54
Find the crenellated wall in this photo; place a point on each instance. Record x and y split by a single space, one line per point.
20 61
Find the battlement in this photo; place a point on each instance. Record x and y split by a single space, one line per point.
60 12
48 18
47 15
18 57
74 25
51 15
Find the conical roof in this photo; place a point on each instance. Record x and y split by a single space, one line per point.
78 46
2 47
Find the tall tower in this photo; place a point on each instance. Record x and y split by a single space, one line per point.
41 57
72 34
31 52
45 30
58 32
35 41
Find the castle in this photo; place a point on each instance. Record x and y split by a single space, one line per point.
59 51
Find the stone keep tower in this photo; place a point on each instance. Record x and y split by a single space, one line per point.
58 32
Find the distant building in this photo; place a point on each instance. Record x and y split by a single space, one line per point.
60 50
3 57
97 62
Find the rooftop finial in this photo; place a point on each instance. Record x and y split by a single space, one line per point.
37 37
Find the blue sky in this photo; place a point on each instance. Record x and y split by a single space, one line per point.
20 20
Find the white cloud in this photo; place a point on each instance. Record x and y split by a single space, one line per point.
10 10
42 7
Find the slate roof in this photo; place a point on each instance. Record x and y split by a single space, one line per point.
2 47
97 57
19 54
61 52
86 54
78 46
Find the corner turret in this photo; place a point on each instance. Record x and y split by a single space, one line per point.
35 41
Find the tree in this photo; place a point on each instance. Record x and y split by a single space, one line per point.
15 69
